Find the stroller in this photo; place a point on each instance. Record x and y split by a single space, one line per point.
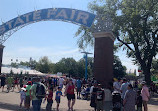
85 94
116 100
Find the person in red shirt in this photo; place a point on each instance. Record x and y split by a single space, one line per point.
16 83
49 99
69 92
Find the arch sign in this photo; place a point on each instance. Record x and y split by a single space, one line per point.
64 14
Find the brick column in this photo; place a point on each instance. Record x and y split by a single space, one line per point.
103 57
1 56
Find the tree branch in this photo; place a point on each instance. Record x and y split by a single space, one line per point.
137 52
126 44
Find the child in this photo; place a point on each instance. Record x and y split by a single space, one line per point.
57 98
49 99
139 101
22 95
83 93
87 92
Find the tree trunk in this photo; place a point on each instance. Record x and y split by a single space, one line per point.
147 75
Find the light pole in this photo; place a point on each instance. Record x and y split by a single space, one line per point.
85 56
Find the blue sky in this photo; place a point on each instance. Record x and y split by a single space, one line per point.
54 39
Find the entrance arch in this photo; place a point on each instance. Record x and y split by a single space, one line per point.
62 14
103 54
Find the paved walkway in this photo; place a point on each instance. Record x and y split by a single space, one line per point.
10 102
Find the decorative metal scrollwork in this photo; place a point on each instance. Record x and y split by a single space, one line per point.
103 23
6 35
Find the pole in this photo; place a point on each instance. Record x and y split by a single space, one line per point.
86 67
86 62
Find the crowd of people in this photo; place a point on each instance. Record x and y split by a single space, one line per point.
134 93
120 95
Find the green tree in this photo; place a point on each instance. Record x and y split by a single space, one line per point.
32 64
67 66
155 66
135 27
24 63
131 76
119 70
52 67
81 67
43 65
14 64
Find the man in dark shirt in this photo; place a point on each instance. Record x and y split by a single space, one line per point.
3 82
139 101
50 82
100 98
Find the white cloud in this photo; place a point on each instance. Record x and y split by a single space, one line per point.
24 53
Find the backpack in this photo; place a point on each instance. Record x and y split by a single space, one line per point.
40 91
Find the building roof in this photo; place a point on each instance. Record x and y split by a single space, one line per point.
7 70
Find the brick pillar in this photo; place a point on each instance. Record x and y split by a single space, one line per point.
103 57
1 56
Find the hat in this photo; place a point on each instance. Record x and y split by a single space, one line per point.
143 82
115 79
99 84
23 89
25 86
29 82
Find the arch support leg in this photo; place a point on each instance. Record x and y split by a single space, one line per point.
1 56
103 57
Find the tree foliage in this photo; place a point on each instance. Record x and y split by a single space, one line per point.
155 66
135 25
43 65
67 66
118 69
74 68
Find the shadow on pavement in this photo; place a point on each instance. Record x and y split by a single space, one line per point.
7 106
154 100
13 107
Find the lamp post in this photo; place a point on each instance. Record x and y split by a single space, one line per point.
85 57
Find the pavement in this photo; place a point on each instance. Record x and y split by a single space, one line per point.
10 102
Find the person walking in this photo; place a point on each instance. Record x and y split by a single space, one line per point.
49 99
145 95
93 92
69 92
78 85
139 101
37 93
9 83
58 97
61 82
116 85
124 88
129 99
3 81
16 82
107 98
21 82
27 99
22 96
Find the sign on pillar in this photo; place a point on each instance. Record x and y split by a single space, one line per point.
103 57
